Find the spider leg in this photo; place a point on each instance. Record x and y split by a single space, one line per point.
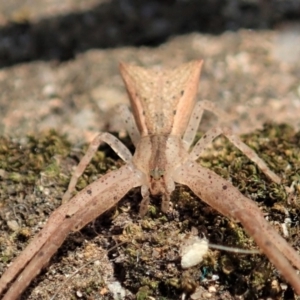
129 123
196 117
106 137
225 198
89 203
211 134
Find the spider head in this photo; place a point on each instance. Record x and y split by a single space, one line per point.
157 181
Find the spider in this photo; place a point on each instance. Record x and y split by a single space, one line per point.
166 118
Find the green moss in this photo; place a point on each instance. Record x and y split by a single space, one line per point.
23 162
143 293
36 172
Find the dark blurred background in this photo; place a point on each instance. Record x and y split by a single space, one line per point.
47 30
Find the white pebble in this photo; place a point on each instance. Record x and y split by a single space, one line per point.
13 225
79 294
117 290
192 251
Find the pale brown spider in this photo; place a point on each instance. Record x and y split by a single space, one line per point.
165 122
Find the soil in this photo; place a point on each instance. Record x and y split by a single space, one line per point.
59 71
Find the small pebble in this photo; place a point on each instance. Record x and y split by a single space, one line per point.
117 290
13 225
192 251
79 294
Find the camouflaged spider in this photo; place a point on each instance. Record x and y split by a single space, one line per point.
165 122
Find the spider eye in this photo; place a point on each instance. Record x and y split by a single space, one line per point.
156 173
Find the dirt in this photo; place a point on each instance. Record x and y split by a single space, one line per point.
59 70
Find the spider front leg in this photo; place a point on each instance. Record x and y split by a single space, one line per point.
33 258
225 198
88 204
